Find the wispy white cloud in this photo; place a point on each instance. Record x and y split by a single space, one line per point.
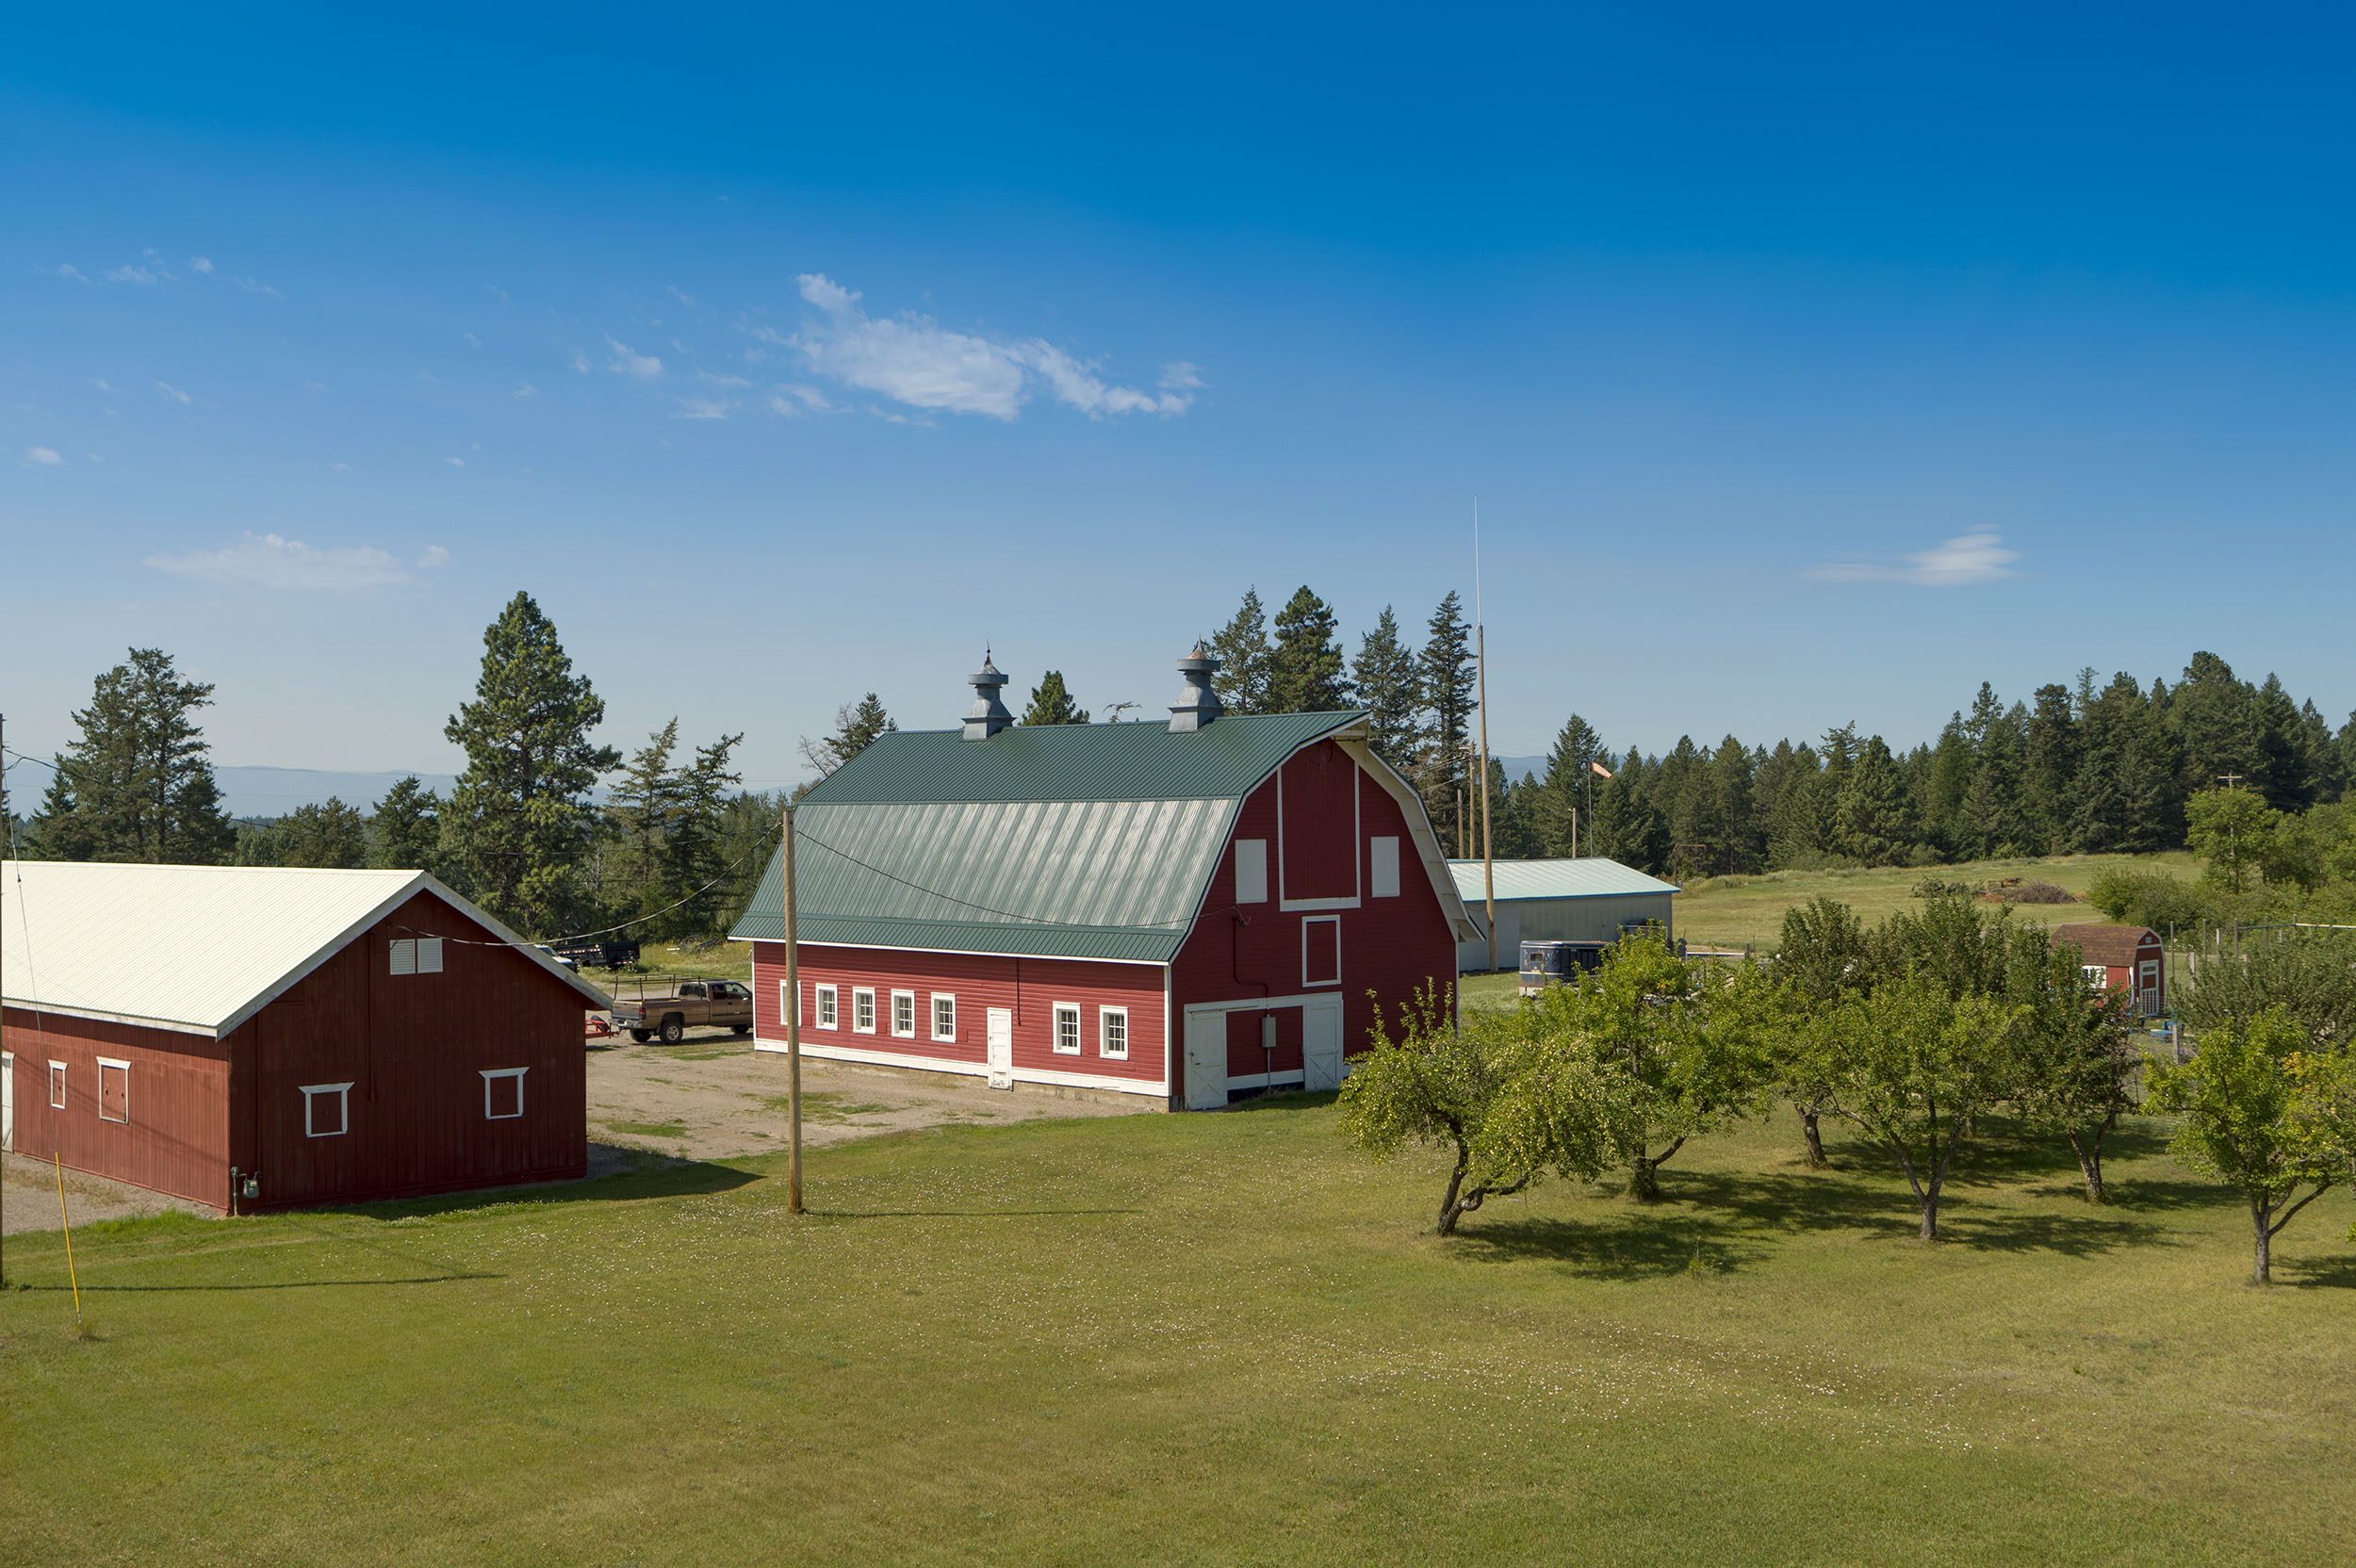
199 264
703 408
42 457
269 561
629 361
71 272
173 393
434 556
315 386
340 468
525 390
472 341
720 380
914 360
455 461
100 382
677 293
497 289
1966 561
580 362
145 277
794 397
254 287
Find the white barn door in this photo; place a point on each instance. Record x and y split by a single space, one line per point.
1206 1059
1321 1044
1002 1048
8 1100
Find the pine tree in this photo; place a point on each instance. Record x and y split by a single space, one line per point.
1743 846
856 727
1992 819
1305 666
136 784
1445 678
518 827
1384 675
1628 828
2214 714
640 813
2049 782
1948 783
1244 656
1568 788
1875 817
693 856
1051 703
405 832
2285 771
326 834
1795 832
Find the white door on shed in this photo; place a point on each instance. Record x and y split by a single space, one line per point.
1206 1059
1321 1044
1002 1048
8 1100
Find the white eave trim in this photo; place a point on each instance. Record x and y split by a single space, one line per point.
963 951
1152 1088
1418 827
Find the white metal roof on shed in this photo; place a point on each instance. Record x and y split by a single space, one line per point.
197 949
1589 877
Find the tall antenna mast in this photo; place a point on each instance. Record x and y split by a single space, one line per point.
1480 653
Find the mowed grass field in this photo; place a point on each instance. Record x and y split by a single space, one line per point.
1195 1339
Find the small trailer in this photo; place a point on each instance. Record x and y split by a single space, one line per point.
1547 964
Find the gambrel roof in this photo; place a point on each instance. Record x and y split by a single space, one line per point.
1066 840
195 949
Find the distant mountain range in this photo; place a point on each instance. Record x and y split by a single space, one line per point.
275 791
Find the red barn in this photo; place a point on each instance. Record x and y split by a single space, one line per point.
2126 961
255 1037
1189 912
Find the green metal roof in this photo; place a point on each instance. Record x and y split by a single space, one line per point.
1081 761
1587 877
1080 840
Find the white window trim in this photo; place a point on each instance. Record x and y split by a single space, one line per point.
57 1085
1103 1033
311 1095
515 1072
2099 974
830 1008
898 1033
1056 1039
429 955
1307 922
417 956
1248 850
868 993
404 955
124 1068
951 998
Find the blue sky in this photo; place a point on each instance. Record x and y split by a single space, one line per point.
1809 366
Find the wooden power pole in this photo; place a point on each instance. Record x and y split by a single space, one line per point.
793 1031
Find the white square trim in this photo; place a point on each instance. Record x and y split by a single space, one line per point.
863 996
492 1072
313 1096
898 999
1105 1017
1308 920
124 1068
950 1035
829 1007
1058 1012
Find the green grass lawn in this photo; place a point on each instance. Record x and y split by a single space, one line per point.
1219 1339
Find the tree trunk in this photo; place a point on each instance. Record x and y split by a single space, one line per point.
2088 1148
2261 1265
1814 1136
1449 1208
1644 1183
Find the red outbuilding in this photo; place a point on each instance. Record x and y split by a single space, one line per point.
255 1037
2125 961
1189 911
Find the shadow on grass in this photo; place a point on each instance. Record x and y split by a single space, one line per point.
2336 1271
646 1175
1623 1249
960 1214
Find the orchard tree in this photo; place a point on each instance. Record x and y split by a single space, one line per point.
2079 1057
2310 975
2257 1115
136 784
2234 830
1825 959
518 827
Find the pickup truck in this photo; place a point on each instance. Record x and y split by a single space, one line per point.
694 1003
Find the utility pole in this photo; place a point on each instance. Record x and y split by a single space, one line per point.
1488 865
793 1030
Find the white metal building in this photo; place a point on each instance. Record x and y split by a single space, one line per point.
1584 900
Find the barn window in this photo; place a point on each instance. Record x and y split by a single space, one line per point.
1322 950
503 1092
1384 854
1252 870
945 1016
57 1085
1112 1032
825 1007
862 1010
417 954
114 1089
2096 976
904 1013
2150 971
1067 1029
326 1110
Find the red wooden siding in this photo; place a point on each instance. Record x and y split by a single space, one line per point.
1389 946
1248 1055
1028 987
176 1137
1320 790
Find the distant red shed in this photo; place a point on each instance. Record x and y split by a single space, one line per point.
268 1038
2126 961
1187 911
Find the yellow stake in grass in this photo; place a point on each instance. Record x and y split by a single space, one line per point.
70 1275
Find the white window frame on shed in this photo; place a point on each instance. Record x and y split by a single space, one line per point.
1307 922
2099 974
1112 1021
862 1005
944 1015
491 1072
315 1095
1252 870
1383 868
903 1015
417 956
1066 1012
829 1007
114 1064
57 1085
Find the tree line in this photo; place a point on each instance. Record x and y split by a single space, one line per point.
674 848
1912 1033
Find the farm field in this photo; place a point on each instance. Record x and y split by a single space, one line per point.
1194 1339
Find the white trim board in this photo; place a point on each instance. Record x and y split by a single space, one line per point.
1156 1087
958 951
